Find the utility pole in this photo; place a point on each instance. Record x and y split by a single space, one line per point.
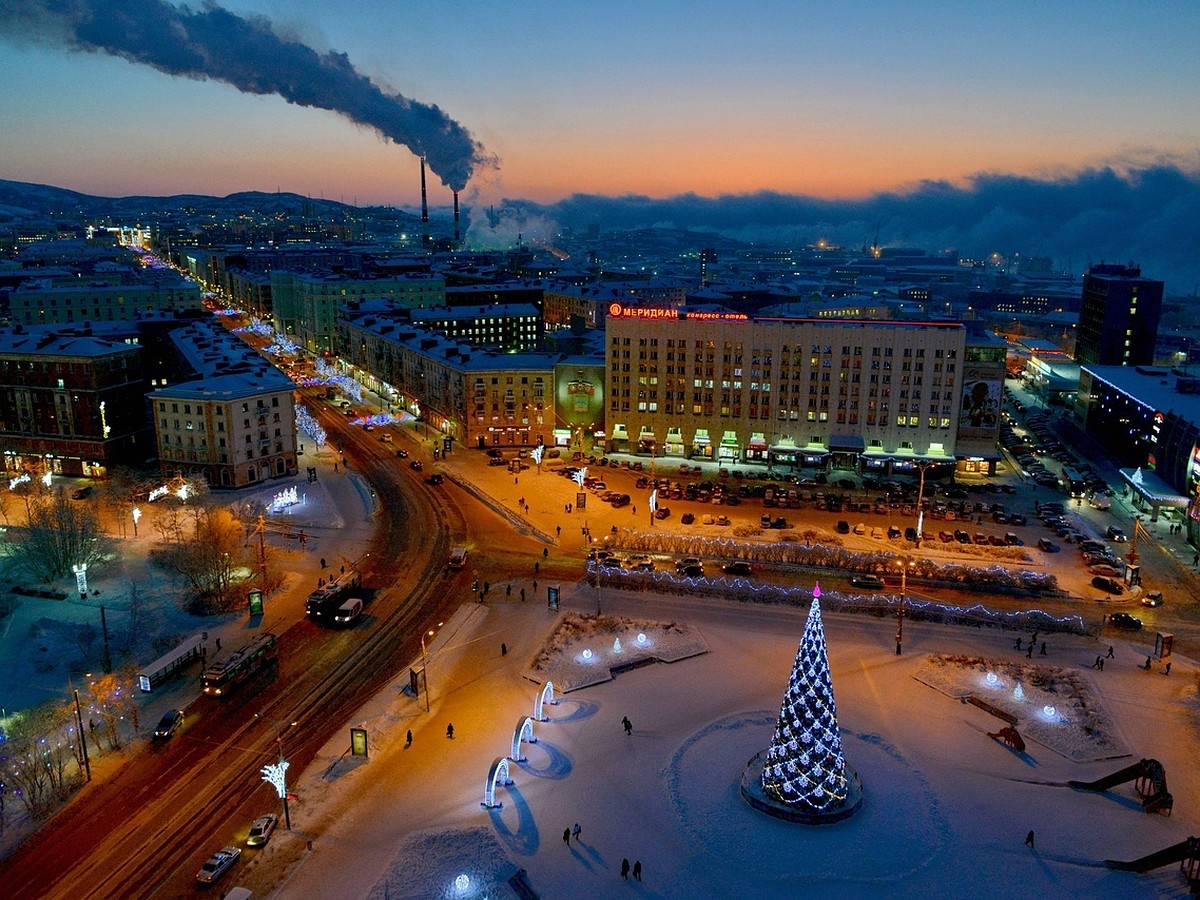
107 654
87 765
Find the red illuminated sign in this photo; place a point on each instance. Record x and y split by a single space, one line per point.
619 311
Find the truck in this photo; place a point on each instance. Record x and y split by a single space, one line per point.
324 602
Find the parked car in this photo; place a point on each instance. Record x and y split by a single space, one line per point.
738 568
435 478
843 527
867 582
681 564
416 465
82 493
402 453
663 512
261 830
170 722
1110 585
692 571
722 520
1048 546
687 518
218 864
1124 620
1152 599
1106 570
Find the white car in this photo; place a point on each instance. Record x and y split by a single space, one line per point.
261 830
217 864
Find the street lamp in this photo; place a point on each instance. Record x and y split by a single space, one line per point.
137 514
425 666
905 564
276 774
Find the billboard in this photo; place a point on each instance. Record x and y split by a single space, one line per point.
579 398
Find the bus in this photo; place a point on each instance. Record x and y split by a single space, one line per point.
222 677
1073 482
332 594
166 666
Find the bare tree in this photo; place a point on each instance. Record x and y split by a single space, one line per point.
210 560
59 534
112 702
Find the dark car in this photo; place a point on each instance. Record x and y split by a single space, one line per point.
435 478
403 454
170 723
494 452
738 568
1152 599
83 493
1048 546
843 527
416 465
867 582
1111 585
687 519
692 571
1124 620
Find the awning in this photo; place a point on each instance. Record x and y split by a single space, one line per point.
1153 488
701 436
847 442
730 439
758 442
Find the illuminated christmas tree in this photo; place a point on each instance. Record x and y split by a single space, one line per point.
805 766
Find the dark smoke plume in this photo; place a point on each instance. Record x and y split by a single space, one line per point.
214 43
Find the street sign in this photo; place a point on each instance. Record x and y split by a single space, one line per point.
358 741
552 596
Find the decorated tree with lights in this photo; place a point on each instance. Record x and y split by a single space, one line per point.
805 766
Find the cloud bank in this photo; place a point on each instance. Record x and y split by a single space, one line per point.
1149 214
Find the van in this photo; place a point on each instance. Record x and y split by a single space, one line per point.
458 557
348 611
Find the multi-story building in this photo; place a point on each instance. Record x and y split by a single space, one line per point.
1118 317
305 305
513 328
723 386
99 298
233 421
72 404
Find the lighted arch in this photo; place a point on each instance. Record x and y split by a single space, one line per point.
545 695
497 774
523 732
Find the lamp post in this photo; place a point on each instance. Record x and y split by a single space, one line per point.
276 775
425 666
137 514
904 566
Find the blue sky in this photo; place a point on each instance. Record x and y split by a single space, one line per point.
827 100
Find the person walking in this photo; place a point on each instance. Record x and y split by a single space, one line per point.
1043 648
450 731
637 870
1110 652
1100 662
1147 666
566 835
625 869
1167 669
1018 645
1096 664
504 649
1029 655
575 832
408 738
218 643
1029 841
627 725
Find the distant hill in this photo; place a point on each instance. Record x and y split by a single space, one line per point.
22 200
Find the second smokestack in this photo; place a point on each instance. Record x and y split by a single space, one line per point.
424 208
456 220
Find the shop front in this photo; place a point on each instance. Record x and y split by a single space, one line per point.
646 441
562 437
619 443
729 450
783 453
702 444
757 450
845 450
674 444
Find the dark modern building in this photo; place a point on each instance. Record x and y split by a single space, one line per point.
1118 317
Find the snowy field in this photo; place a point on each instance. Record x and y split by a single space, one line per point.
946 807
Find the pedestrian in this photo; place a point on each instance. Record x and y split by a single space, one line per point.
627 725
1029 841
522 595
545 552
508 590
218 643
322 562
575 832
335 467
536 566
637 870
516 480
504 649
625 869
1034 638
520 501
1043 648
1195 560
1110 652
1100 659
343 570
1018 646
567 835
1167 670
1147 666
450 731
1029 655
570 507
558 531
408 738
1096 664
633 511
487 586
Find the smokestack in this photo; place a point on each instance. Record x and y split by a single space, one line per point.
456 220
424 207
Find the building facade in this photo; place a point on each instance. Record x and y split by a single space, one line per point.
1118 317
723 386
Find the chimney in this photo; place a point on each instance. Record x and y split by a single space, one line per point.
424 207
456 220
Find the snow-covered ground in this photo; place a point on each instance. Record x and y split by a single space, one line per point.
946 811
